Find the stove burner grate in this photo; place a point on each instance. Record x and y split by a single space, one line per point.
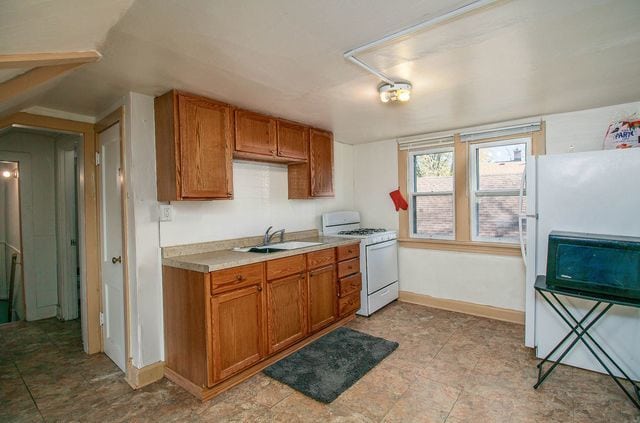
362 231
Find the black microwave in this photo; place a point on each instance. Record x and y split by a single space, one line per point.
601 264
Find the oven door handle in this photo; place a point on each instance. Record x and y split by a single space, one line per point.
382 245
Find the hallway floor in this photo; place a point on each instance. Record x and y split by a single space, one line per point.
449 367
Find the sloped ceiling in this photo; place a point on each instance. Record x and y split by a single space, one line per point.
512 59
42 26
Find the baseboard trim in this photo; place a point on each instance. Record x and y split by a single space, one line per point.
138 378
481 310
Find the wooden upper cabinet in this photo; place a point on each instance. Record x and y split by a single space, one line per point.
194 143
255 133
293 140
314 178
321 163
237 331
323 297
286 311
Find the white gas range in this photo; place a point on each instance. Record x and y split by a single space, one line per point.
378 258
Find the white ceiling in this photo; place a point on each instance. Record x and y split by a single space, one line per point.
513 59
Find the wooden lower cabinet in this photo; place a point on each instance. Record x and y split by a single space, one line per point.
224 326
236 331
322 297
286 311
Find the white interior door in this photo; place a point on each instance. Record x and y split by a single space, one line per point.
112 245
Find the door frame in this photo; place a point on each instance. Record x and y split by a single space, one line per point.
90 236
117 117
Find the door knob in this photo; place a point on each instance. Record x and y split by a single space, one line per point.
115 260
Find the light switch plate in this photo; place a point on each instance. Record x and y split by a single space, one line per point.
166 212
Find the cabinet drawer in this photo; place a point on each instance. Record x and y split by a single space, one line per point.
320 258
350 284
346 252
346 268
236 277
349 304
280 268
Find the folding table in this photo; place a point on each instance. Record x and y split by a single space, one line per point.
580 329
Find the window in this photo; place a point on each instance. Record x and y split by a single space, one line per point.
464 188
496 171
432 188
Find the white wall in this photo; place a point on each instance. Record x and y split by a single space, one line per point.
475 278
375 176
583 130
36 155
260 200
145 274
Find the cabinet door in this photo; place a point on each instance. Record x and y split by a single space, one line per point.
321 163
236 325
323 297
286 311
293 140
255 133
205 148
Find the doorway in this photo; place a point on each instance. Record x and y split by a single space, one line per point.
40 223
11 289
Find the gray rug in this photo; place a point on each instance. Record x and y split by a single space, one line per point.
330 365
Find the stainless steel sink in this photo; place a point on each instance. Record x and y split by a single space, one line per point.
264 250
281 246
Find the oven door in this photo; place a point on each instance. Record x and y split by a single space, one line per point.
382 265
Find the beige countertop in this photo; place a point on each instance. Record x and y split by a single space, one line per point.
222 259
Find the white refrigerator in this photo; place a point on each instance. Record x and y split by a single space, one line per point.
595 192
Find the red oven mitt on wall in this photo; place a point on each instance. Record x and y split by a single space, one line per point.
398 200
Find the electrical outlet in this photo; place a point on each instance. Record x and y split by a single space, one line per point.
166 212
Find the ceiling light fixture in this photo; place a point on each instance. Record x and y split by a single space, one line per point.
398 91
6 174
386 89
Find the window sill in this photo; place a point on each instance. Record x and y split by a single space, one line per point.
462 246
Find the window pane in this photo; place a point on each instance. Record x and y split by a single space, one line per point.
434 216
434 172
497 218
501 167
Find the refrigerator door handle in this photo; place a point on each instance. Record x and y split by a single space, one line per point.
523 251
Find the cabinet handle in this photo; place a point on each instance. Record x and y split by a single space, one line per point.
302 275
240 278
259 288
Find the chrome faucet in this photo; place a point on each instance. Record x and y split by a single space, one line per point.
268 236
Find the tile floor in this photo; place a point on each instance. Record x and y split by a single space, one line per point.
449 367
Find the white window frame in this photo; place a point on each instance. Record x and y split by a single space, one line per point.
413 194
474 192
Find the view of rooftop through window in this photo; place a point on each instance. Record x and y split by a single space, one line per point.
499 170
433 211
